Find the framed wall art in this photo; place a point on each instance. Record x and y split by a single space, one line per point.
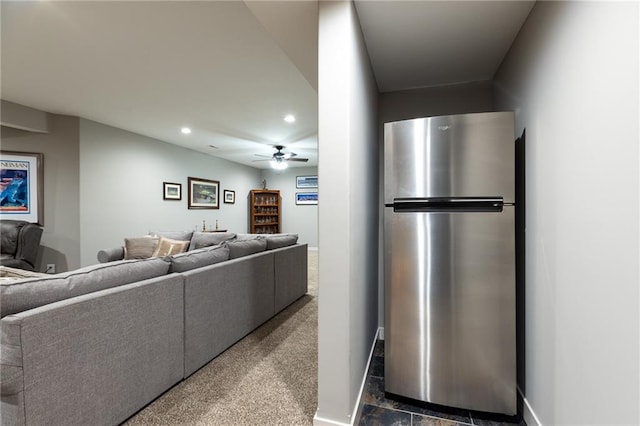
172 191
203 193
229 196
306 198
22 186
306 181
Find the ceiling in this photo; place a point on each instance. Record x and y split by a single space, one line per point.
231 70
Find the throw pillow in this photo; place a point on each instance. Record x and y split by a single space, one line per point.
174 235
167 247
139 248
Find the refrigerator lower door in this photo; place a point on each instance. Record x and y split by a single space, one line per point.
450 308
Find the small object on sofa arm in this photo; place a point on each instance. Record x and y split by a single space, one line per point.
109 255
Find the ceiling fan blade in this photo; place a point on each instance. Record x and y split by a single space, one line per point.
256 161
302 160
263 156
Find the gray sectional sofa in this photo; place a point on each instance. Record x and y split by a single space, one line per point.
95 345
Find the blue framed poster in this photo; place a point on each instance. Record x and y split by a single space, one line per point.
21 186
306 198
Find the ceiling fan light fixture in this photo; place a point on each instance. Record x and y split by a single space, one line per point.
278 164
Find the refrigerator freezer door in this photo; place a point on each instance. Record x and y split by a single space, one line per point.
450 308
470 155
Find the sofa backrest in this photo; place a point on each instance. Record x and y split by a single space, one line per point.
241 248
207 239
21 295
198 258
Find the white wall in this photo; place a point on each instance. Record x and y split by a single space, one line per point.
572 77
60 243
121 176
297 219
348 212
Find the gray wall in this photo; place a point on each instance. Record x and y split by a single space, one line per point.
440 100
61 236
425 102
298 219
572 78
348 212
121 176
103 184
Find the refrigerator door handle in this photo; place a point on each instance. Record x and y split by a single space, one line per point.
448 204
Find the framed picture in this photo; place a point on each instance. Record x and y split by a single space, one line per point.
306 181
22 186
229 196
306 198
172 191
203 193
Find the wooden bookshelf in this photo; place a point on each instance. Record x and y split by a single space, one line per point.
265 211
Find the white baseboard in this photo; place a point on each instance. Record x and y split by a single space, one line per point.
528 414
364 378
320 421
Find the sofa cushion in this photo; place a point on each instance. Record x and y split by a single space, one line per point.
193 259
21 295
140 247
275 241
240 248
168 247
174 235
206 239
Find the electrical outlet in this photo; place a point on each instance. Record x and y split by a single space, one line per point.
51 268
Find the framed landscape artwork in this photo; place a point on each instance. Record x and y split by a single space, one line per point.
229 196
203 193
21 186
172 191
306 181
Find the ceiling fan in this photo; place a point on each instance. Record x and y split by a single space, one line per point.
279 159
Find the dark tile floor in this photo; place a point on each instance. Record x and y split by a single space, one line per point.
376 409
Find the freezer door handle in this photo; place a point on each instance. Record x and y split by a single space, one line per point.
448 204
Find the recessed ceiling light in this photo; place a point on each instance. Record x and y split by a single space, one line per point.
185 130
290 118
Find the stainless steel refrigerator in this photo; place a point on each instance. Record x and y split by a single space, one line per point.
450 261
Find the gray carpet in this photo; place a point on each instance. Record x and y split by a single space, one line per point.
268 378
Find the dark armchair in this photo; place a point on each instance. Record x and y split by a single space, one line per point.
19 244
